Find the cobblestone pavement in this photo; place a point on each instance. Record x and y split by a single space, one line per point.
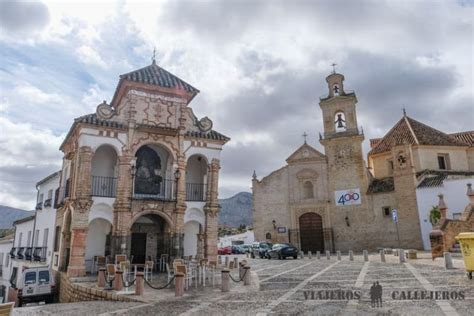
290 287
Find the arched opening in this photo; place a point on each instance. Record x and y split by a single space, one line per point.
150 238
268 236
190 243
311 232
308 190
98 240
154 173
340 122
104 172
196 178
336 89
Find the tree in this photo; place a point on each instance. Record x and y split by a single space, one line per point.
434 216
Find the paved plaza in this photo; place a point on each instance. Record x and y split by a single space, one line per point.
306 287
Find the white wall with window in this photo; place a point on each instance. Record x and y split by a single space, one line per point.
6 245
454 192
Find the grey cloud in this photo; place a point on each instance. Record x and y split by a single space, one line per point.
23 16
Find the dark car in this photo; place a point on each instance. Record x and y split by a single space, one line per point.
282 251
237 249
260 249
246 248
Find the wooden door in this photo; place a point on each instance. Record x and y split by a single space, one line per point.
311 232
138 247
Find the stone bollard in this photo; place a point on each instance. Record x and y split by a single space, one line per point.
220 260
366 255
241 270
179 284
448 260
225 280
301 255
248 255
382 255
139 284
395 252
328 254
351 255
247 275
101 278
401 255
338 255
318 254
227 261
310 255
118 283
236 262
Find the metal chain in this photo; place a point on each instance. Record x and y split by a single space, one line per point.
109 283
159 287
241 279
128 284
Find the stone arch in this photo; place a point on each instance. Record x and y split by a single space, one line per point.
194 214
340 121
98 240
108 142
101 210
166 146
165 216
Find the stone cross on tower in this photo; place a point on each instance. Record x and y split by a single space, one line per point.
154 56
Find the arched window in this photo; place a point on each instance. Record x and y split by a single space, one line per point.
340 122
308 190
268 236
335 89
148 177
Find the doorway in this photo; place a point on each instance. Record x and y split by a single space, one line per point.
138 249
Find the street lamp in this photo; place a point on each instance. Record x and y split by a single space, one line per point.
177 175
274 224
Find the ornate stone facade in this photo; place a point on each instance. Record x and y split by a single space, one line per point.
141 162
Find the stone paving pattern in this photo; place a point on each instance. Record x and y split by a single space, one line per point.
278 289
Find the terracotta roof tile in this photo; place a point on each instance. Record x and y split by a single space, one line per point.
410 131
381 185
465 137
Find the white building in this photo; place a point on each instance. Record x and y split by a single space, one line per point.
6 245
33 242
453 187
246 238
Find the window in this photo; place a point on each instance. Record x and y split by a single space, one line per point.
45 237
50 194
308 191
7 261
390 166
28 243
40 198
386 211
57 236
20 239
13 277
268 236
443 162
37 232
43 277
30 277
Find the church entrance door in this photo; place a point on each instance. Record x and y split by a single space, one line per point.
311 232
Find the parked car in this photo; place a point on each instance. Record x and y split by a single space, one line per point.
36 284
246 248
237 249
224 250
260 249
282 251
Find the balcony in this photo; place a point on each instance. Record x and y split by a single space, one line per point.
195 191
164 190
28 253
39 206
63 193
104 186
20 254
12 252
39 254
48 203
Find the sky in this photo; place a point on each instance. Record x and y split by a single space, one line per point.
260 67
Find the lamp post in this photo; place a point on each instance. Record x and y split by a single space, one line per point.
177 175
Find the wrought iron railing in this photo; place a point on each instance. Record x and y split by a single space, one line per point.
39 206
195 192
48 202
28 253
104 186
20 254
64 192
12 252
39 254
165 191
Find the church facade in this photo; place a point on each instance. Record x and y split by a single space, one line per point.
139 177
334 201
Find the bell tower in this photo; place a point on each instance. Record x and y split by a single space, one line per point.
347 174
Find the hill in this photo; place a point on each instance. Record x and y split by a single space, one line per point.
236 210
9 214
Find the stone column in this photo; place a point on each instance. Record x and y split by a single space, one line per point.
139 284
211 210
77 265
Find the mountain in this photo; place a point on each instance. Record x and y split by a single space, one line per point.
9 214
236 210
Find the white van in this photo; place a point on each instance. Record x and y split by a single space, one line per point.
36 284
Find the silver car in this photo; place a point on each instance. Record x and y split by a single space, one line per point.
36 284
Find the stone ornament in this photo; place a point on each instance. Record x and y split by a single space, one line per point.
205 124
104 111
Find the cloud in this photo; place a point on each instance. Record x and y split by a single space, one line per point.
23 17
260 67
